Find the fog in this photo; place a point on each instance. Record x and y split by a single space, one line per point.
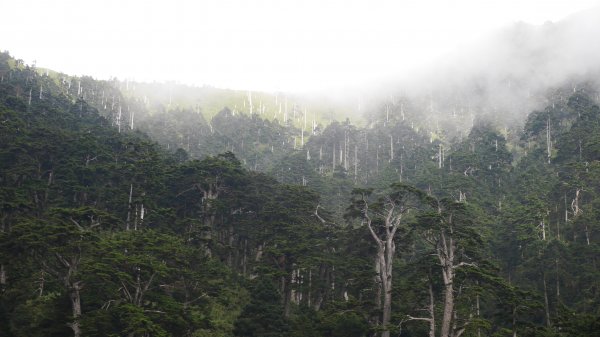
268 45
452 62
503 76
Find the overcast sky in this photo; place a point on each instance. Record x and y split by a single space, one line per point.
274 45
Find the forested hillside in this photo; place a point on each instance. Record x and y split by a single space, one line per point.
123 219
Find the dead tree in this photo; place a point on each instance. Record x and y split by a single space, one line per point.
384 219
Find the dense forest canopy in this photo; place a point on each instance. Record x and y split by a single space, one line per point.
128 209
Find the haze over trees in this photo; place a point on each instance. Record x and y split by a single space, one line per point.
131 209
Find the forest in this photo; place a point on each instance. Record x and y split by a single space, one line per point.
126 216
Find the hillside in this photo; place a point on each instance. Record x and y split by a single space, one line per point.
467 204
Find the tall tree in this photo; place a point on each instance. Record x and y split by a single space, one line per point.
385 218
450 230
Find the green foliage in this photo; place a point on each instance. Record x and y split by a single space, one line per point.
262 316
189 238
38 316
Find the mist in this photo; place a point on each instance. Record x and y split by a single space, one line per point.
499 78
502 77
443 65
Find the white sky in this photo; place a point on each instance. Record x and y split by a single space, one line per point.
282 45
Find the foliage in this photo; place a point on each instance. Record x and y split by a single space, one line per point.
234 225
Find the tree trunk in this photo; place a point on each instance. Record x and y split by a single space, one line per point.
42 283
383 266
2 275
259 252
129 207
448 309
386 259
587 234
378 289
385 256
446 256
548 141
287 295
546 304
245 257
478 312
3 229
230 242
514 321
431 309
76 306
557 282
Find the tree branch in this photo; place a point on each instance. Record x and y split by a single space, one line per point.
185 191
462 264
365 212
411 318
77 224
63 260
127 293
317 214
194 300
155 311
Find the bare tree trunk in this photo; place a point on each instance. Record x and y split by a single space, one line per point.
42 283
391 148
355 163
557 282
309 292
548 141
293 280
230 242
446 256
478 315
587 234
245 258
2 275
333 161
448 309
386 282
346 150
119 119
318 301
131 124
431 309
76 306
129 207
543 226
385 254
287 295
514 321
3 228
546 304
377 159
378 282
135 219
